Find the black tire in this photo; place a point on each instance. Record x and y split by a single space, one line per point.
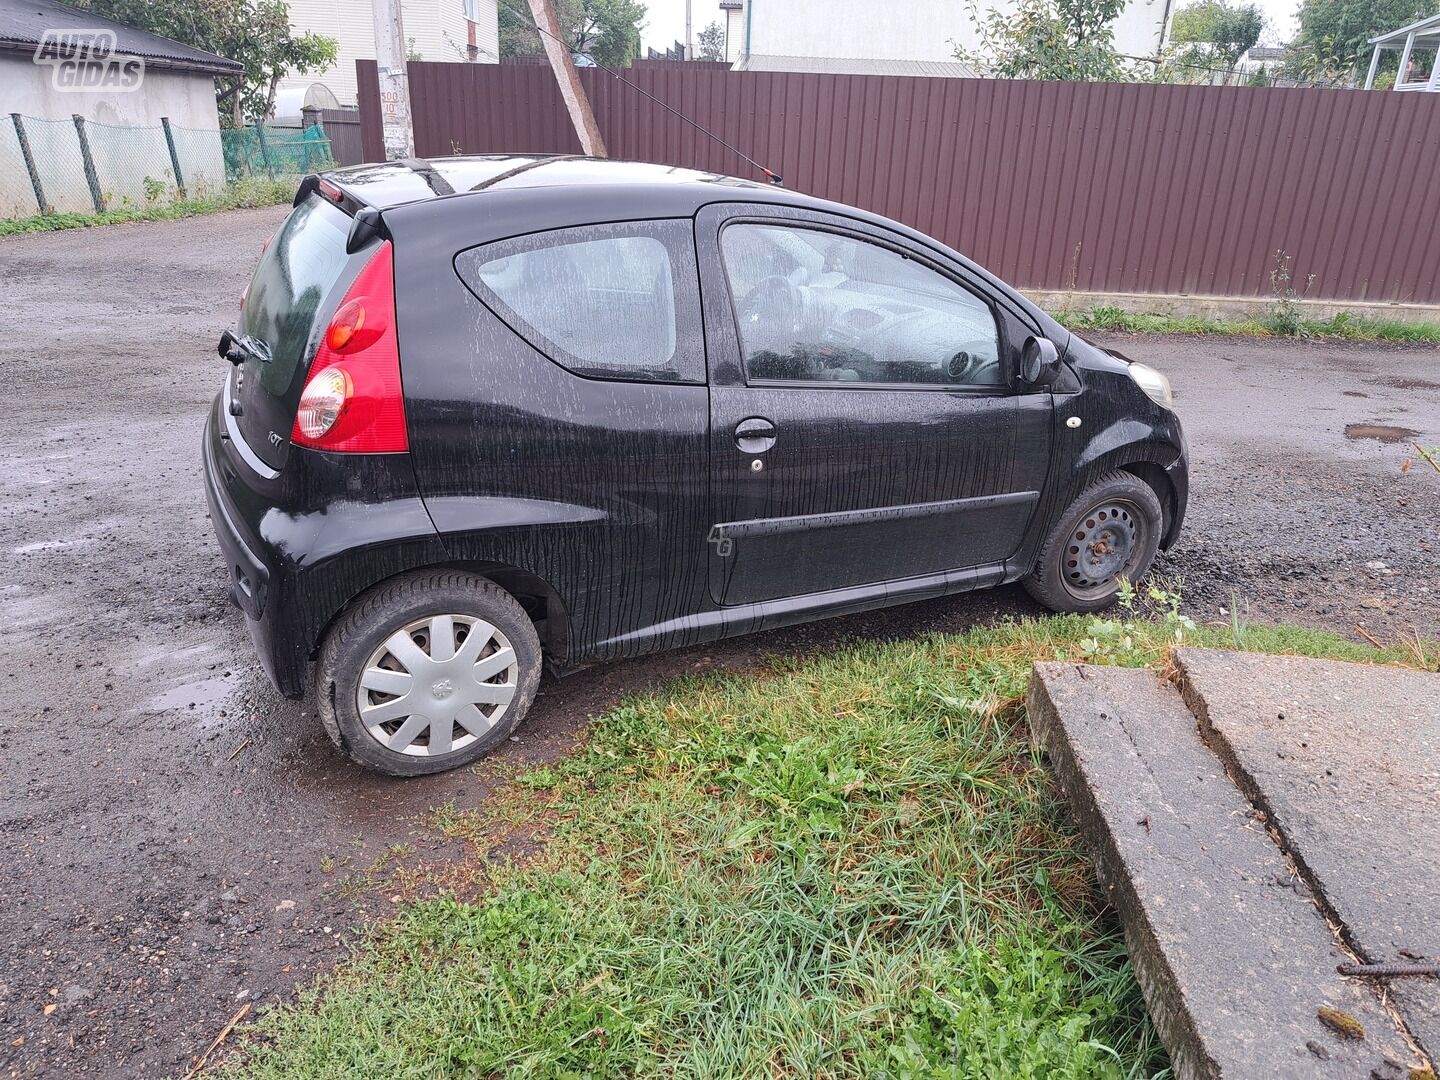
374 620
1118 509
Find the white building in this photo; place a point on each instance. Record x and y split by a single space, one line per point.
888 37
177 81
57 63
435 30
732 13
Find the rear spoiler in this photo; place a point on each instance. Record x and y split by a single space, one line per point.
367 224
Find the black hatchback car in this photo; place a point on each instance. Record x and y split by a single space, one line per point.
489 413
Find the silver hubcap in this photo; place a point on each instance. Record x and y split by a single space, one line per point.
1104 546
437 685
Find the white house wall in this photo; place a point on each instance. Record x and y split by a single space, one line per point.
187 97
903 29
734 33
127 142
434 30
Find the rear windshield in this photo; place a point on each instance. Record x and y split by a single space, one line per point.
295 274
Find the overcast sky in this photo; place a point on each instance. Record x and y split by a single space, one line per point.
666 22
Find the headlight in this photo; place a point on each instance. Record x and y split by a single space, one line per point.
1155 385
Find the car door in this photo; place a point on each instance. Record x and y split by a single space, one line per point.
558 412
865 424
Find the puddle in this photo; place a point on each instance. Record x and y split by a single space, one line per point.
198 685
202 696
1379 432
1355 393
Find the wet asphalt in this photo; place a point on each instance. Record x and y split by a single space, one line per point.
179 841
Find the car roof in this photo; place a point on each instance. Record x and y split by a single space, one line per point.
398 183
450 183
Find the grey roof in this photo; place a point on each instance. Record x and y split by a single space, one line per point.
1266 52
23 24
854 65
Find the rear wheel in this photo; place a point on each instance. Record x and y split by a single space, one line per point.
428 672
1111 531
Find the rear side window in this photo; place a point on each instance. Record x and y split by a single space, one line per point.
607 301
297 271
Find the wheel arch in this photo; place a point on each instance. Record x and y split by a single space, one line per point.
1158 480
539 599
1149 459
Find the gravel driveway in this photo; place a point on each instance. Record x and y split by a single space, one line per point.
178 840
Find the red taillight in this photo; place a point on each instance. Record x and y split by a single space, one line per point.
356 324
352 401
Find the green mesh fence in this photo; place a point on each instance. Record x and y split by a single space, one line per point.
275 152
136 167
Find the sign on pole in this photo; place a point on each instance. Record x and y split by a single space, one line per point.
394 81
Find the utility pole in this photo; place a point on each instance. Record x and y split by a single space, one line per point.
689 41
567 78
394 81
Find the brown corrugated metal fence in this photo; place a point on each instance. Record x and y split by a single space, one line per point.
1096 187
342 127
372 137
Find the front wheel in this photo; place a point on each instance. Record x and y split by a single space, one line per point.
1109 533
427 673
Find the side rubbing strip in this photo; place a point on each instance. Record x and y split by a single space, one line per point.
738 530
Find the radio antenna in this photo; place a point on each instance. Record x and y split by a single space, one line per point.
770 175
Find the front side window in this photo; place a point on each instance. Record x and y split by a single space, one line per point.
817 306
608 301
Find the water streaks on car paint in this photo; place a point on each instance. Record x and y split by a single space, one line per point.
587 478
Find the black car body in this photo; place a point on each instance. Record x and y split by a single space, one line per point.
640 481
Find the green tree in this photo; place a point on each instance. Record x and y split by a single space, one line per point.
1333 42
1215 31
255 33
1049 39
712 42
607 30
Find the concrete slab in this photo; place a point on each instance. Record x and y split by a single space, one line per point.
1233 955
1345 760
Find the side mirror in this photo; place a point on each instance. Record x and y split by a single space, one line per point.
1039 362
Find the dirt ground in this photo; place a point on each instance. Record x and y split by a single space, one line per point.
179 841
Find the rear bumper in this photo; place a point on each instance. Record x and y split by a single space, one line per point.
301 543
251 575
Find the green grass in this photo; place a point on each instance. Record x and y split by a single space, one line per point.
242 194
1284 322
847 865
